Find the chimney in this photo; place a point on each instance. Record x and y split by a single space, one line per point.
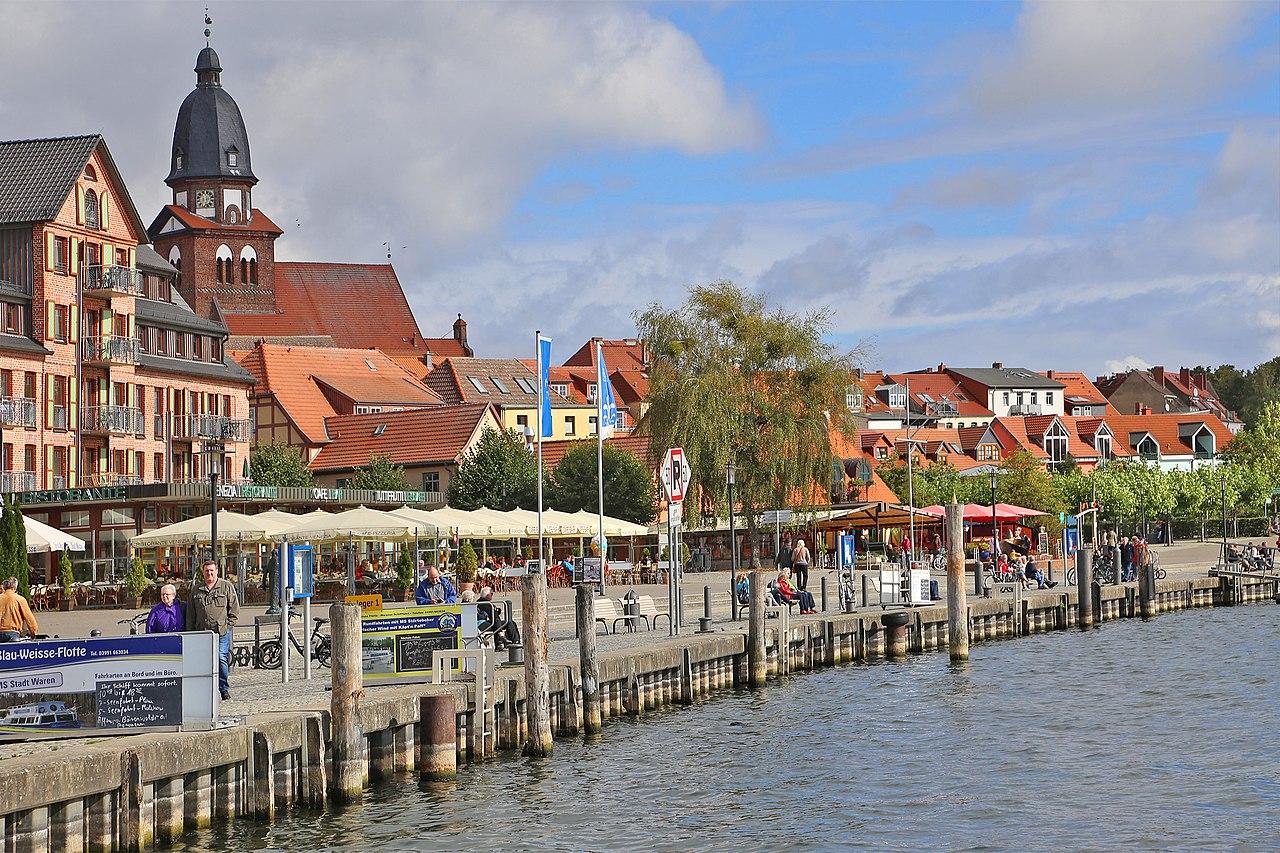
460 331
1049 373
1157 373
942 368
1185 375
1137 408
997 365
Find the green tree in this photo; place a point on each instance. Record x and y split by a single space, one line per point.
1023 481
629 491
135 580
279 465
734 382
1247 392
21 560
404 569
66 575
1259 444
467 563
380 475
499 473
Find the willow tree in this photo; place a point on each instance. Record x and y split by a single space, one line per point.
733 381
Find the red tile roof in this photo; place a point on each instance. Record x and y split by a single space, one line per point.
452 381
1077 385
554 451
940 386
412 437
1168 431
843 448
619 354
258 221
358 305
296 376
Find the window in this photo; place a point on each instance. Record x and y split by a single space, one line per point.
570 425
1102 444
233 157
525 385
1035 398
1005 398
559 388
1048 397
379 429
157 467
162 342
13 318
431 481
91 210
140 464
897 397
29 384
180 344
591 425
61 323
522 421
197 347
478 384
1055 443
90 173
368 410
591 393
177 159
61 254
1148 449
497 383
988 452
853 398
1021 397
29 458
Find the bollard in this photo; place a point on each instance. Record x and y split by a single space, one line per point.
895 626
824 593
704 623
866 589
349 773
1146 591
757 663
1084 586
957 603
588 664
439 750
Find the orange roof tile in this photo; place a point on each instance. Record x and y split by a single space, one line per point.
843 447
939 387
1167 429
619 354
358 305
296 376
554 451
453 381
1077 385
410 437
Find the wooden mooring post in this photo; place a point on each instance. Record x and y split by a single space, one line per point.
1084 586
957 596
589 666
349 769
757 662
537 678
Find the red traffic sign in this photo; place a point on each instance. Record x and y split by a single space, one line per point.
675 474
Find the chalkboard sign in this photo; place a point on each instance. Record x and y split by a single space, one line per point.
414 651
140 702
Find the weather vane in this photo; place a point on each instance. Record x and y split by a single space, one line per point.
208 26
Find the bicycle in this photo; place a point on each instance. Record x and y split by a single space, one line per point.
135 623
319 645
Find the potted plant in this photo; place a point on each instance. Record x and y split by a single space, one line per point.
135 581
466 566
404 574
67 579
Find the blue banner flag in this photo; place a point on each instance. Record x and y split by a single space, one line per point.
609 417
544 378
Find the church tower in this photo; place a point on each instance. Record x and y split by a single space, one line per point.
224 249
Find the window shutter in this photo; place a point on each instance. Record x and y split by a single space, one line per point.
133 326
104 392
75 324
102 461
49 319
48 402
71 469
73 401
108 254
48 466
102 211
50 252
74 261
79 205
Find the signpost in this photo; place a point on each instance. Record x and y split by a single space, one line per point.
675 475
398 646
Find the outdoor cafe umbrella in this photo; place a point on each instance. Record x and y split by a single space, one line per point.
358 523
231 526
1010 512
41 537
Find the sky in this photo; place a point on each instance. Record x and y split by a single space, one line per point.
1056 185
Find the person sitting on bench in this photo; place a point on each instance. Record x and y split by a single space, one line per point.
787 593
1033 573
742 589
492 618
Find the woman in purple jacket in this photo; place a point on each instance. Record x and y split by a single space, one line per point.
168 615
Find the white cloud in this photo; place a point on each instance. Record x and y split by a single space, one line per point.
1129 362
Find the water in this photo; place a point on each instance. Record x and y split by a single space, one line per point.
1164 736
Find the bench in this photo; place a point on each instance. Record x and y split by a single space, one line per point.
648 611
606 610
779 601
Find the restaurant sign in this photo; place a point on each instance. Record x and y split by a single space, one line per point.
56 496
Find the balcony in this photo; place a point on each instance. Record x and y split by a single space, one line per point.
18 411
17 481
109 349
1026 409
211 428
116 420
112 279
109 478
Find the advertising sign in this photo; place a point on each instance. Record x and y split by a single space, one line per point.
398 645
301 570
848 551
366 602
1070 541
588 570
105 685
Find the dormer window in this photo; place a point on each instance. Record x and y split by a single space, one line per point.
177 160
233 157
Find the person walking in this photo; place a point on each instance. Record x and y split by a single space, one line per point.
800 564
168 615
16 617
215 607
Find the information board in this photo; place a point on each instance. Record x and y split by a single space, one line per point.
92 686
588 570
848 551
366 602
397 645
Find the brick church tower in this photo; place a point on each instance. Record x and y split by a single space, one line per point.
223 248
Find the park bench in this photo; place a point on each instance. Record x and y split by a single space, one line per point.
607 612
648 611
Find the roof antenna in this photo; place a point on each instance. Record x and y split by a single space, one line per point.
208 26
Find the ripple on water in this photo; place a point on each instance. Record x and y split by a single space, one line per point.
1136 736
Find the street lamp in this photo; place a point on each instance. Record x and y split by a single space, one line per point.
729 475
213 451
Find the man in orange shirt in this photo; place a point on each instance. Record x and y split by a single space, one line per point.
15 614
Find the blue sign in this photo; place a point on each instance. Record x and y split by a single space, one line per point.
302 570
1071 540
848 550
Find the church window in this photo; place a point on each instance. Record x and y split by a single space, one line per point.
90 209
177 160
90 173
233 157
175 258
253 271
248 265
233 215
225 266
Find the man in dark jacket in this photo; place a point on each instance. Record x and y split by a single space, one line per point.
214 606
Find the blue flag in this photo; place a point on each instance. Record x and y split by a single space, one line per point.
610 419
544 379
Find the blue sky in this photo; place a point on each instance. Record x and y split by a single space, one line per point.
1068 185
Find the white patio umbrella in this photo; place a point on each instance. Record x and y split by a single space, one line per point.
359 523
231 526
612 526
41 538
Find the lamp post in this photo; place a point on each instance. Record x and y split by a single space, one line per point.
729 471
1224 520
213 452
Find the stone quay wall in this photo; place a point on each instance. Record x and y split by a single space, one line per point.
142 791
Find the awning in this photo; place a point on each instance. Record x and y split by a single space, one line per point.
231 526
876 514
41 538
612 526
359 523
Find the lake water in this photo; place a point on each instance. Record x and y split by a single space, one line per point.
1163 736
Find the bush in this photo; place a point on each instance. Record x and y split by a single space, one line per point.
135 580
404 570
467 563
66 577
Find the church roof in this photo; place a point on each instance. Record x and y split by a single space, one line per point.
257 221
357 305
208 128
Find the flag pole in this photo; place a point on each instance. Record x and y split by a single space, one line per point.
601 378
538 346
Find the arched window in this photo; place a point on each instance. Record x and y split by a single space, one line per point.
224 262
233 215
248 265
175 258
90 209
253 271
90 172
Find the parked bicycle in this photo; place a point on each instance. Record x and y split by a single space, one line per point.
318 645
135 623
